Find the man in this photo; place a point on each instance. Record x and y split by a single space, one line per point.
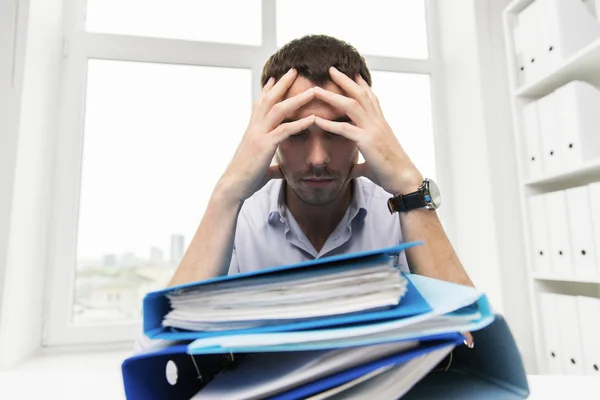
315 113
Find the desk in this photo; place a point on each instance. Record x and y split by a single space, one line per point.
98 377
563 387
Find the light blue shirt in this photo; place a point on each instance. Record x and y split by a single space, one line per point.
267 235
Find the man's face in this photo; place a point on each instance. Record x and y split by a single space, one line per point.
315 163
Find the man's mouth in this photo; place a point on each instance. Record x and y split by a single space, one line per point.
317 182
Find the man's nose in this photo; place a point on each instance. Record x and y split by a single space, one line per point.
318 151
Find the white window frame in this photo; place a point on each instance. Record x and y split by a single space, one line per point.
79 47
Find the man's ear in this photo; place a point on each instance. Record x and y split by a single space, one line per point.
276 160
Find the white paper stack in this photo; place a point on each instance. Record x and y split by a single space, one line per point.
264 300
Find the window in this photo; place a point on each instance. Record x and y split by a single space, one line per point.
378 27
156 97
146 168
201 20
406 104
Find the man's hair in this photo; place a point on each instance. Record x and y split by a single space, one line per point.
312 55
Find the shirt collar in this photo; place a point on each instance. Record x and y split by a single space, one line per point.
278 209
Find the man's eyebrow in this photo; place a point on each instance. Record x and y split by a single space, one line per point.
345 118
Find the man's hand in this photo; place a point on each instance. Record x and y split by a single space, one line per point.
386 164
249 169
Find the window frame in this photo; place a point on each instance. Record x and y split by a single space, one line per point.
78 47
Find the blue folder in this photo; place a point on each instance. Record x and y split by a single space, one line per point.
156 304
144 375
444 298
340 378
492 370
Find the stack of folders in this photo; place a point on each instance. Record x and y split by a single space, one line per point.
348 327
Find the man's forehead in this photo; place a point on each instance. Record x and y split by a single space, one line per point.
301 84
315 106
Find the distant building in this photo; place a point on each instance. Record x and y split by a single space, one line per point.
157 256
177 248
109 260
128 260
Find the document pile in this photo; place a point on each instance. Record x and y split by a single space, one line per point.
295 295
348 327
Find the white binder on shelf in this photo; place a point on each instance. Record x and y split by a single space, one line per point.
578 107
539 235
560 236
594 193
519 52
550 134
567 26
579 213
533 141
529 43
589 327
551 334
570 338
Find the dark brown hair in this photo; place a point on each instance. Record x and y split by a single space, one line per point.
312 55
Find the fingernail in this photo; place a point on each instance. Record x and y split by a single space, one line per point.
332 68
291 71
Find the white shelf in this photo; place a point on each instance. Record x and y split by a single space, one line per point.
583 65
587 173
541 277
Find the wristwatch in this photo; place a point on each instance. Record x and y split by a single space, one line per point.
427 196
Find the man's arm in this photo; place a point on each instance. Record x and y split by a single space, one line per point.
436 258
209 253
388 165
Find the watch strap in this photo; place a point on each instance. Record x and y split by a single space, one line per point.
407 202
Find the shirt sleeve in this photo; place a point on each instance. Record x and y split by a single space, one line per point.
234 268
403 262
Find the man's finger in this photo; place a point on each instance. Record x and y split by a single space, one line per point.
344 129
469 342
282 109
273 96
350 106
353 89
283 131
268 86
363 84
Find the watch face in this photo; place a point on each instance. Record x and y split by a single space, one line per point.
432 196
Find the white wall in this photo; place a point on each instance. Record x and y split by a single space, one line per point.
486 202
11 57
30 134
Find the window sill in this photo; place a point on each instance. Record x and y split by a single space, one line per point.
66 376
